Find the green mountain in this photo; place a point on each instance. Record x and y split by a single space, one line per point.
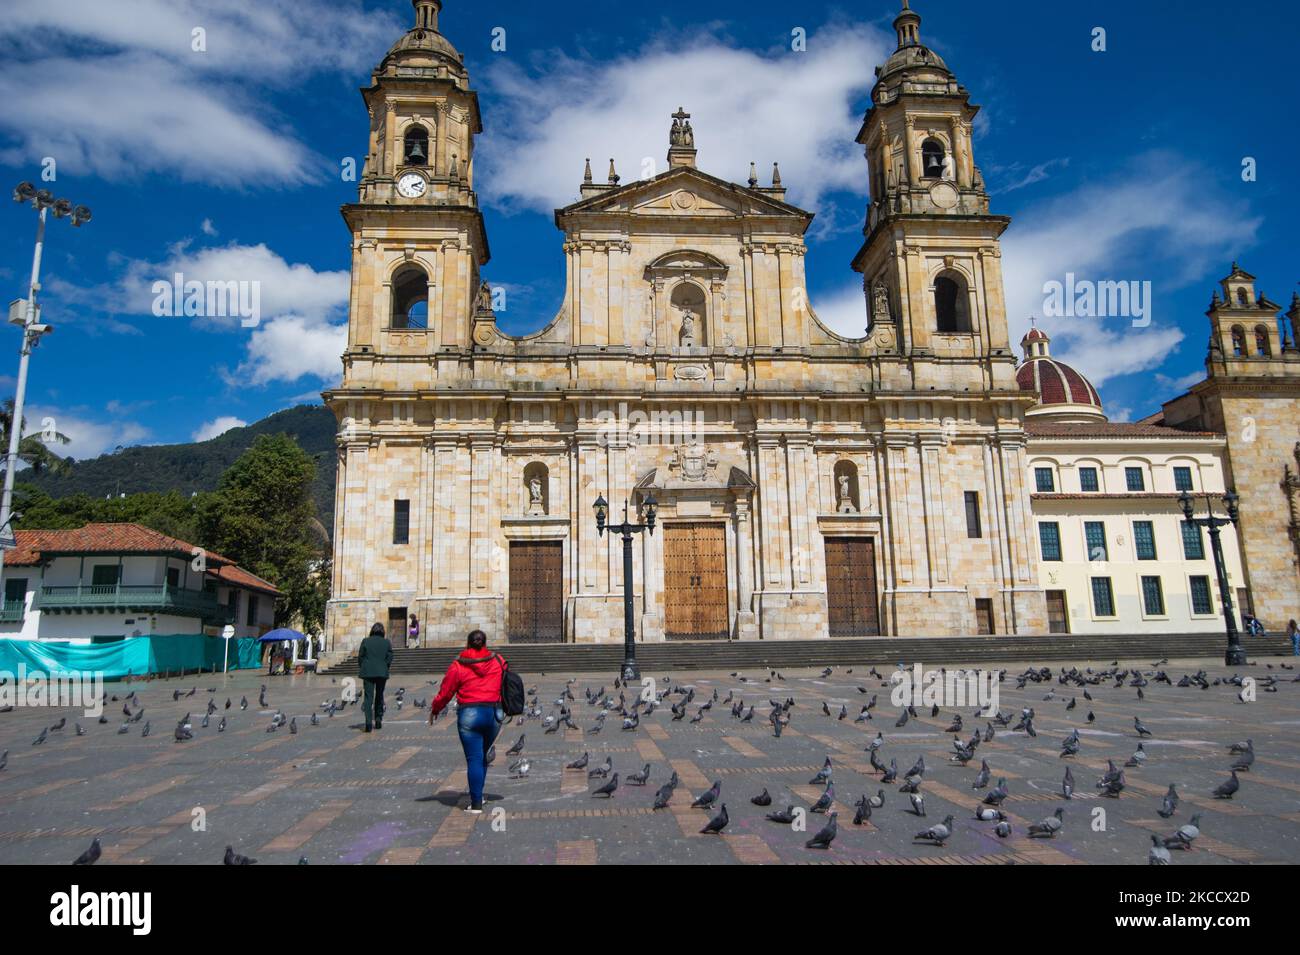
198 466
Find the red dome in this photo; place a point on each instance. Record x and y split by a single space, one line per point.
1057 383
1061 390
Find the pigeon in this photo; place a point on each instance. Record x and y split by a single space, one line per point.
91 855
823 775
641 778
580 762
762 799
918 803
126 728
662 797
825 800
1138 758
1245 760
1003 829
784 816
1186 834
145 731
234 858
1141 730
878 800
293 726
41 739
1241 747
824 838
221 727
862 811
243 702
183 732
1168 805
937 834
600 772
59 725
1227 788
985 814
609 787
1067 784
1049 827
4 759
708 798
997 794
519 769
717 823
982 778
518 747
1158 854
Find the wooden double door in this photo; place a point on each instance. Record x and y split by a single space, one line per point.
695 582
852 604
536 592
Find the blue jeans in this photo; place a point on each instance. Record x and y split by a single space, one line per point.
1295 645
478 725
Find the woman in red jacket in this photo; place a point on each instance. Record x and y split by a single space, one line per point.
474 678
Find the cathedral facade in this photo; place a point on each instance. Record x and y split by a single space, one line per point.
807 484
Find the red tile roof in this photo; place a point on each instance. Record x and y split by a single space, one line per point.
1036 428
35 545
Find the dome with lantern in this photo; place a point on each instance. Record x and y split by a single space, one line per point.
422 47
1064 395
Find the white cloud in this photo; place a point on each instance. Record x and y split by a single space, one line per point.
1018 177
746 106
122 94
290 348
217 427
89 437
208 228
844 311
1158 220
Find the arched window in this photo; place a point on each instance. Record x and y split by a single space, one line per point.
1238 341
1262 346
410 298
932 155
951 308
1242 297
416 146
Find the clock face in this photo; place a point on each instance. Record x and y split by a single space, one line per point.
411 186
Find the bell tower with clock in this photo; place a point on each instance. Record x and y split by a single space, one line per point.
418 239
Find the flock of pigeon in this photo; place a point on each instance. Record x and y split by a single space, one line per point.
777 713
681 702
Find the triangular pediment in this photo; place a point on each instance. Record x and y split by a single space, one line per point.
684 191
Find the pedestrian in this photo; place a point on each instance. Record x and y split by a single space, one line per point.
1293 632
413 632
1253 626
474 678
373 659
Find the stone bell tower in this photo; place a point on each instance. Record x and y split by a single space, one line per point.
931 262
418 235
1251 395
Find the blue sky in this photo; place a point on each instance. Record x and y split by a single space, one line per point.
225 163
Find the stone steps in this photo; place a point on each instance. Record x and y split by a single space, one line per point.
659 658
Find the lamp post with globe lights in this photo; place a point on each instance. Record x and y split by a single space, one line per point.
1235 656
630 670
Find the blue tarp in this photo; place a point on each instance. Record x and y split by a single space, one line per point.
138 656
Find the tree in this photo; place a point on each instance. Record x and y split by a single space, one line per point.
32 449
262 517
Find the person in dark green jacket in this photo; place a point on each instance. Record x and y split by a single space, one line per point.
373 659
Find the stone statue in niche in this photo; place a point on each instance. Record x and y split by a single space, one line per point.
879 304
687 334
536 505
846 496
949 168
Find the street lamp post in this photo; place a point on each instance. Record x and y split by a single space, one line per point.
631 671
1236 653
28 317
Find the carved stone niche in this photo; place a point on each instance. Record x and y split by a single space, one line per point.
688 292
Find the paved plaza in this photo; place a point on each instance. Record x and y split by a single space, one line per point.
334 795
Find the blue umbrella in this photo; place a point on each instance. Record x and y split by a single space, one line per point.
284 633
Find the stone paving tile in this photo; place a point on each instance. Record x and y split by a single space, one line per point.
394 797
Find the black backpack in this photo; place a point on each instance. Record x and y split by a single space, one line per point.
512 690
